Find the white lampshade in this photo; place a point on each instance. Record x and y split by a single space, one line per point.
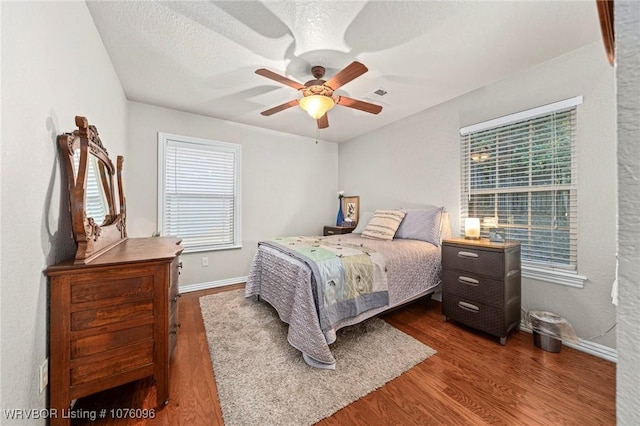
472 228
316 105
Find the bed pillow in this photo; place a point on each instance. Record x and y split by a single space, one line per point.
423 225
383 224
365 217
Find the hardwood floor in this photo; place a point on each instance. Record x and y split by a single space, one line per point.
472 380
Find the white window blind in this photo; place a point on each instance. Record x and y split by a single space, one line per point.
199 198
523 172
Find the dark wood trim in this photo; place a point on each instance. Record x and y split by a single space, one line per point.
605 14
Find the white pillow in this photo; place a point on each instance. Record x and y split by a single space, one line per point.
422 224
383 224
365 217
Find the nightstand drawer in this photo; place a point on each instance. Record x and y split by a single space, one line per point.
474 287
337 230
474 314
483 262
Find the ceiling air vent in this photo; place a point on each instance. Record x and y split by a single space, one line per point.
380 92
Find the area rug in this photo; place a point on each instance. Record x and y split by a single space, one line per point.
261 379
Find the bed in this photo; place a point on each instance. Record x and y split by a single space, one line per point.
410 269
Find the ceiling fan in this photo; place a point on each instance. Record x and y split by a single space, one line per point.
318 97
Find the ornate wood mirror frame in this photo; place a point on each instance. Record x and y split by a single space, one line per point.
605 14
90 175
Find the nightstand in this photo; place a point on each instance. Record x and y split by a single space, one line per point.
481 285
335 230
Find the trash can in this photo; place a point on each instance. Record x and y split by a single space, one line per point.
547 330
546 342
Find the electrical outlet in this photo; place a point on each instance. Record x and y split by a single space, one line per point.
44 375
205 261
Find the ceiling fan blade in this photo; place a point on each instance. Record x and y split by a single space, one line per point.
323 122
279 78
356 104
353 70
280 107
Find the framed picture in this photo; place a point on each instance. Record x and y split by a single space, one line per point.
351 208
497 235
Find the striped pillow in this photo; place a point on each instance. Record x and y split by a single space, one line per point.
383 224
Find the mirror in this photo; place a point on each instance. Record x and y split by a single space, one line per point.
97 216
95 203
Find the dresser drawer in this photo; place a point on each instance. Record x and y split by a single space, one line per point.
474 287
117 362
105 342
474 314
137 312
98 286
175 274
174 327
478 261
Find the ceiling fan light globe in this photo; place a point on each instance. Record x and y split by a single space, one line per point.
316 105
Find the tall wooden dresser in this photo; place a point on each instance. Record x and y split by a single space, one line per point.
113 320
481 285
113 313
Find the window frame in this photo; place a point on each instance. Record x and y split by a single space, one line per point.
557 274
164 139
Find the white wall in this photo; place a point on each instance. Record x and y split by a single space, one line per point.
289 184
627 28
417 161
54 67
409 163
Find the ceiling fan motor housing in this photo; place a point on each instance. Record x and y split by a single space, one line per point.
317 72
317 86
316 89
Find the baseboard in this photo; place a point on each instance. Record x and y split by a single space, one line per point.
212 284
592 348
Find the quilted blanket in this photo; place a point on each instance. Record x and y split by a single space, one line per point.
347 279
285 282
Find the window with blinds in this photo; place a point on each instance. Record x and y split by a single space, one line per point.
522 170
199 192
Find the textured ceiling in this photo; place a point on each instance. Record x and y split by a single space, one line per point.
200 57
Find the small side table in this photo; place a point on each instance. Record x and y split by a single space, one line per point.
481 285
336 230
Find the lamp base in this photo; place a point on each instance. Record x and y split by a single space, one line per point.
471 238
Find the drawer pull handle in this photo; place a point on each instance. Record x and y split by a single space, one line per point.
468 281
468 254
330 232
468 307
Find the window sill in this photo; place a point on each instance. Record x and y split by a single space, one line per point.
188 250
554 276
